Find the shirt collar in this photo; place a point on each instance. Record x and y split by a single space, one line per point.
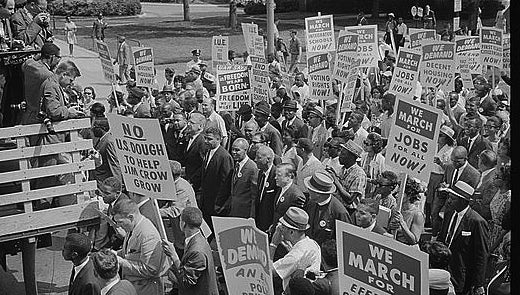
463 212
78 268
325 202
268 170
242 163
463 167
107 288
142 202
371 227
487 172
286 187
188 239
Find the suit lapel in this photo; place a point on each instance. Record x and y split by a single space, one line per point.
462 225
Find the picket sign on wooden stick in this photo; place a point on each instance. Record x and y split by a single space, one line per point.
115 97
340 101
400 195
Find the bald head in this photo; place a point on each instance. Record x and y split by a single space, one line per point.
176 168
241 142
250 128
264 157
196 123
239 149
459 156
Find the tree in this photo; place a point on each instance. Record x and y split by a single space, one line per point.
232 14
186 8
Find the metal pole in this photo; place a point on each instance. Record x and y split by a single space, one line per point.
270 26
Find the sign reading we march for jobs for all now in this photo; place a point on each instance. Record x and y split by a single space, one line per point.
412 143
371 263
142 155
491 47
106 62
367 47
406 73
144 68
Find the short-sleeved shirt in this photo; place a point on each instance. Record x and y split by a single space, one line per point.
305 170
294 46
216 118
354 180
293 261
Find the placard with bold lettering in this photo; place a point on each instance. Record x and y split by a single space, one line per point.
144 66
233 89
346 54
249 31
491 47
320 75
419 35
457 5
320 33
437 68
106 62
368 47
244 253
259 48
468 47
406 73
260 80
219 50
142 156
350 88
371 263
506 47
412 143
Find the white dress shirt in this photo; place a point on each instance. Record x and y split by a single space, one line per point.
459 216
78 268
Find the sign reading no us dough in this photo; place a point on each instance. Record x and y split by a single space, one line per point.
491 47
144 67
233 88
468 48
106 62
406 73
244 253
142 155
320 33
370 263
320 78
260 80
346 54
219 50
438 65
412 143
419 35
367 48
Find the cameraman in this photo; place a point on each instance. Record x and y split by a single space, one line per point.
31 23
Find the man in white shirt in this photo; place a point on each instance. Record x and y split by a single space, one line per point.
309 164
354 123
195 59
302 88
106 270
76 249
208 110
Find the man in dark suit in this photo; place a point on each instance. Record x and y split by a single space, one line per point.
98 28
106 271
289 195
262 113
124 58
194 274
289 112
260 139
82 280
244 188
487 105
176 138
267 188
138 108
473 141
195 150
460 169
465 232
106 148
365 216
31 23
486 188
217 171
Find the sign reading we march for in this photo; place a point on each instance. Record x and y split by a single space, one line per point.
142 155
233 88
491 47
406 73
371 263
320 33
437 66
367 48
106 62
244 253
144 68
412 143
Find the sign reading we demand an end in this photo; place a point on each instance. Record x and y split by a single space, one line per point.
371 263
142 155
412 143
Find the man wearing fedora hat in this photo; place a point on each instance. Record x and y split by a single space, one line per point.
324 209
465 232
352 180
289 112
318 133
304 253
262 113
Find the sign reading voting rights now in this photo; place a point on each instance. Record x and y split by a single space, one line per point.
106 62
346 55
320 78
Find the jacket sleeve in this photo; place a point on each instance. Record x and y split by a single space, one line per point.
90 289
226 172
189 273
277 143
113 162
480 251
21 31
150 262
254 191
52 105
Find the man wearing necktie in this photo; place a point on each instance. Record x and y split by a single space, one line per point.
267 189
82 280
244 188
465 232
474 142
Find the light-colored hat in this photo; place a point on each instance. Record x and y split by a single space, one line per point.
448 131
387 74
295 218
391 14
353 147
317 111
462 190
320 182
167 88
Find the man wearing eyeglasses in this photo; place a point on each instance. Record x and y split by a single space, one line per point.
31 23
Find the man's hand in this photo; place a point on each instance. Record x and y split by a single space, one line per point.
42 19
277 236
169 250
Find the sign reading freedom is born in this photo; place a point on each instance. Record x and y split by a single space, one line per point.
320 80
346 54
233 88
367 48
244 253
144 69
142 155
370 263
106 62
438 65
491 47
406 72
412 143
320 33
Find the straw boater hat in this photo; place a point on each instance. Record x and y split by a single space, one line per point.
320 183
461 190
352 147
295 218
318 111
448 131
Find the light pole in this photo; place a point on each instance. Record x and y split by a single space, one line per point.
270 25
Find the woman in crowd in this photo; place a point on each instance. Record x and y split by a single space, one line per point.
376 110
289 139
439 276
410 223
491 131
372 161
499 205
70 34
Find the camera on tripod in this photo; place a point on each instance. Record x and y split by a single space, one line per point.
47 122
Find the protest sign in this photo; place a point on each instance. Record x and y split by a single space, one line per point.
106 62
350 87
233 89
437 67
371 263
260 80
244 253
319 31
491 47
465 73
249 31
406 73
346 54
320 78
506 46
412 143
144 66
419 35
258 48
367 47
456 23
219 50
142 155
457 5
468 47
